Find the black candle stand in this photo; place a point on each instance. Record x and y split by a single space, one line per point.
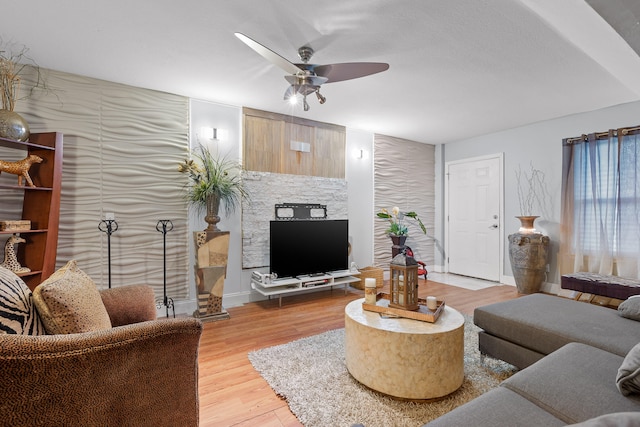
164 226
108 226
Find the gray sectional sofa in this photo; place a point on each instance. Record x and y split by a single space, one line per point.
570 354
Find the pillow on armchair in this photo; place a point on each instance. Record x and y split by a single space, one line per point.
18 314
69 302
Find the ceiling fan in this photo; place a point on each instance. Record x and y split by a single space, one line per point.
305 78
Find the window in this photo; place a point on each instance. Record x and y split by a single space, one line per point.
601 198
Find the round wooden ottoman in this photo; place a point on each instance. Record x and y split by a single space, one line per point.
405 358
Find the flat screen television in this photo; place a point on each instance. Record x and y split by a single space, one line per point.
302 247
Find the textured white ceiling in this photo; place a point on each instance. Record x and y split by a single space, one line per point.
458 68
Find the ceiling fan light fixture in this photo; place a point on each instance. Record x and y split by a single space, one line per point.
290 93
307 78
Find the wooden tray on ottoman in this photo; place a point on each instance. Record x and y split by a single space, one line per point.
423 312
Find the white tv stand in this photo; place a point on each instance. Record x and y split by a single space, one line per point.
282 287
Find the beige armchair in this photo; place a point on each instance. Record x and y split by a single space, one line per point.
141 372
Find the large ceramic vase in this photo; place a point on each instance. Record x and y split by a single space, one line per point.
398 245
212 252
13 126
528 252
212 218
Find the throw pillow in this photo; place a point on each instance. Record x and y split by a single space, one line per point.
628 378
69 302
18 314
630 308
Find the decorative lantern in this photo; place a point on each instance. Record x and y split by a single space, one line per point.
404 282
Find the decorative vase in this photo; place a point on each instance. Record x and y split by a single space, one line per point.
526 224
212 254
212 218
398 245
13 126
528 253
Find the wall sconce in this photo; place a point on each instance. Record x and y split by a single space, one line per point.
359 153
212 133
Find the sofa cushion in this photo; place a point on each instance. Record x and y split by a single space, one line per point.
574 384
617 419
544 323
630 308
69 302
628 378
18 314
499 407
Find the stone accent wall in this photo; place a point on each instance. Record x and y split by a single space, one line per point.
268 189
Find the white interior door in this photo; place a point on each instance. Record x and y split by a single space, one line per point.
474 210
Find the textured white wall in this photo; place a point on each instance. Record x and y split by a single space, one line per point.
121 149
405 177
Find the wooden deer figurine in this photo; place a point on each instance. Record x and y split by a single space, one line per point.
21 168
10 258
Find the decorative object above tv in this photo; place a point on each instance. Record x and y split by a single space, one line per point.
297 211
304 247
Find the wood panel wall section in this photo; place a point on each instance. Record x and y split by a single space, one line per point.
267 145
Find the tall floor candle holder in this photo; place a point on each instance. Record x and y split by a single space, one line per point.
108 226
164 226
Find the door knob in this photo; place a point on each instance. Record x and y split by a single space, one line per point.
493 226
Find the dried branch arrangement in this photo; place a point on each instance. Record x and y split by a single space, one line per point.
13 62
531 189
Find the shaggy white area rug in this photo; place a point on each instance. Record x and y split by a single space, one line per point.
311 375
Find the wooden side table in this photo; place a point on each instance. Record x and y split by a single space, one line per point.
405 358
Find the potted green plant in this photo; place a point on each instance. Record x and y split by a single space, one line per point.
212 181
397 231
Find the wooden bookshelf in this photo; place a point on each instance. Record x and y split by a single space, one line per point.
40 204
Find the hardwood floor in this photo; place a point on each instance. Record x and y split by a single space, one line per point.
232 393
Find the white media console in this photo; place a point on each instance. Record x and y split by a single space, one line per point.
281 287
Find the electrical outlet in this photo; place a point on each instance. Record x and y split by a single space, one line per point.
548 268
109 216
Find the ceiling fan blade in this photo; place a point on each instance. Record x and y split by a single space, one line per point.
269 55
312 80
349 70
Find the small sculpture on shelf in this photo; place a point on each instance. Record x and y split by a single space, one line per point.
21 168
10 258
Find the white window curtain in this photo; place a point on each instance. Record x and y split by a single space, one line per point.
601 203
